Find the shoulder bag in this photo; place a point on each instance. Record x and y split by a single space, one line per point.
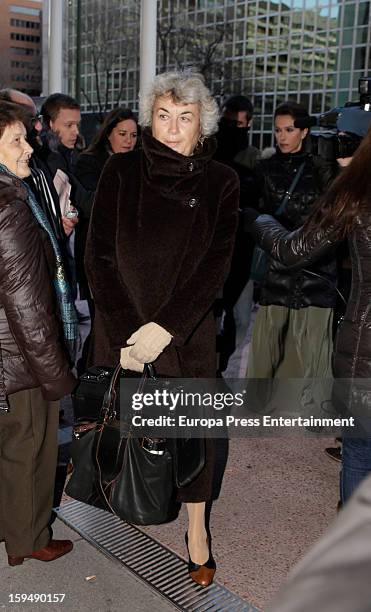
113 470
260 258
116 471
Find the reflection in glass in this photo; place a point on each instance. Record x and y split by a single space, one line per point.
360 58
268 104
316 103
349 14
345 59
293 83
325 12
344 80
348 36
304 99
356 76
305 82
364 13
342 97
361 35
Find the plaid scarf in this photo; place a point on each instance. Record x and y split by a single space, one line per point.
61 285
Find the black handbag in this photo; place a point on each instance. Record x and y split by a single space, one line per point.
112 469
260 259
189 454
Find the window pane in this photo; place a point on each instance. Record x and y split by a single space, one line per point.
317 103
363 13
348 37
360 58
346 59
344 80
349 15
361 35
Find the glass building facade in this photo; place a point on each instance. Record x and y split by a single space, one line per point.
312 51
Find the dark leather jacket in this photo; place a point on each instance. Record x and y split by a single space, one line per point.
312 285
352 351
30 340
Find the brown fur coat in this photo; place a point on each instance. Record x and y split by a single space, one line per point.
159 248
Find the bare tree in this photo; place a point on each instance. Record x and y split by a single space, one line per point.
184 46
205 50
109 43
165 32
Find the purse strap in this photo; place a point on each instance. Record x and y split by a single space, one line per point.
108 413
290 190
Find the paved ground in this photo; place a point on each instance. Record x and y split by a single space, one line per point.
277 497
110 589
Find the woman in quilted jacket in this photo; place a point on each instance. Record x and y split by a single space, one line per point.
292 335
34 370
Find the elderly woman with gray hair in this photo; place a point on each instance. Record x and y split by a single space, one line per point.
159 248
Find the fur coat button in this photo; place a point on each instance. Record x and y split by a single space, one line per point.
191 166
192 202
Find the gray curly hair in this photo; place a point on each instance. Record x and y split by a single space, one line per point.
184 88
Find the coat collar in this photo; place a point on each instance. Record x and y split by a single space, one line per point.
171 172
291 158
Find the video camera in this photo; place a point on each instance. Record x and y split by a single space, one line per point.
341 128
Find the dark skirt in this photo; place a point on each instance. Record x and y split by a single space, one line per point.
201 488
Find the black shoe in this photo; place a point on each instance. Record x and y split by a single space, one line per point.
201 574
334 453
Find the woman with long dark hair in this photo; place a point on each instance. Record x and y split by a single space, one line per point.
344 211
118 134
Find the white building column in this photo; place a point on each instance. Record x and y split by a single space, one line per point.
148 35
55 37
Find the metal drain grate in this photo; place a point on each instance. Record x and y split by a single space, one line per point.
152 562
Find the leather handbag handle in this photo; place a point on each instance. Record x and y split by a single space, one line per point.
108 411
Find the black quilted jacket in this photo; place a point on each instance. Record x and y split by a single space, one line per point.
312 285
352 351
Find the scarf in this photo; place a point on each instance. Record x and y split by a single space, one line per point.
61 285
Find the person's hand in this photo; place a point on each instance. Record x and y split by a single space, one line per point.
69 224
148 342
250 215
128 363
